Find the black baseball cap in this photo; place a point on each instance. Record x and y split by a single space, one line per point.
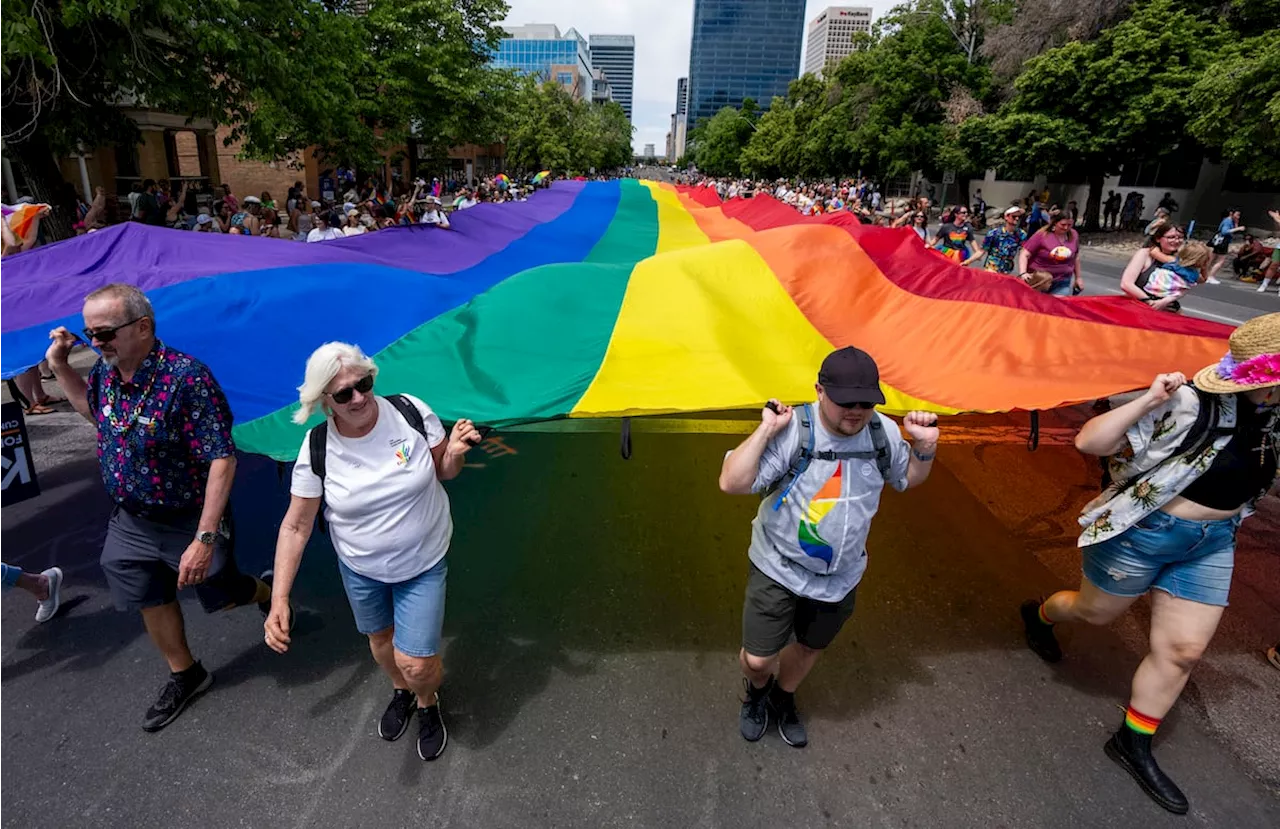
850 376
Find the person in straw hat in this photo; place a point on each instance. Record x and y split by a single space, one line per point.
1188 463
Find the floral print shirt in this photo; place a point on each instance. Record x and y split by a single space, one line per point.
159 432
1002 248
1153 439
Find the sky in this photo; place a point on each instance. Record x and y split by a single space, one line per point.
662 29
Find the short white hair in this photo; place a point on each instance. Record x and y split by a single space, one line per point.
322 366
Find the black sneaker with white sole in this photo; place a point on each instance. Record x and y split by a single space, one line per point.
395 720
753 721
177 693
432 735
783 707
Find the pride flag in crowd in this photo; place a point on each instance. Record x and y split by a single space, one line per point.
604 299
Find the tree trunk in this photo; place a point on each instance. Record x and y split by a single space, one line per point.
1093 204
42 180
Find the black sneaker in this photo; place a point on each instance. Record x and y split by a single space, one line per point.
783 706
1040 637
754 719
177 692
432 735
395 720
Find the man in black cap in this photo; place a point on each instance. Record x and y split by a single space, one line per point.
820 468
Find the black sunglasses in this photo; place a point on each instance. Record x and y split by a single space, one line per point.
106 335
862 404
364 385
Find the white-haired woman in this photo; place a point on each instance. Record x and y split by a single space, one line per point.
377 463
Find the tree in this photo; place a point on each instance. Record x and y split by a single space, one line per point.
1235 105
546 128
1091 107
716 143
285 74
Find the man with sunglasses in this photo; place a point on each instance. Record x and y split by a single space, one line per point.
821 470
167 460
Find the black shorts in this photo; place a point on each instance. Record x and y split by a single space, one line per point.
140 558
771 614
1223 248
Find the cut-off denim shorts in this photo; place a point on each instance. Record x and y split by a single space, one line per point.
1189 560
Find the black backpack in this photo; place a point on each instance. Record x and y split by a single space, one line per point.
883 457
318 442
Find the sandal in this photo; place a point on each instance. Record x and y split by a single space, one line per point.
51 401
37 409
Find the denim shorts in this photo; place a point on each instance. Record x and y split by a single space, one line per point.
414 607
1187 559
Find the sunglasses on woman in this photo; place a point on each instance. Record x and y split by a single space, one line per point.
364 385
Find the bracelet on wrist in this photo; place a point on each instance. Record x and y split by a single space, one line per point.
924 457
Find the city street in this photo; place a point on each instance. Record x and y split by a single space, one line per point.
591 672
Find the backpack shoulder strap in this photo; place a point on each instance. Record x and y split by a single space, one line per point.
884 458
802 459
409 412
318 444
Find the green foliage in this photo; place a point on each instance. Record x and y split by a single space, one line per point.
716 143
1235 105
545 128
1166 70
287 73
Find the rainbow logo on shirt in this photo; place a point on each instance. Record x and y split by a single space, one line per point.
811 543
402 454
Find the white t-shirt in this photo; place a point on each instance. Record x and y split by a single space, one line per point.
388 513
435 217
323 234
815 543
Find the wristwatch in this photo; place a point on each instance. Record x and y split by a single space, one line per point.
922 457
207 537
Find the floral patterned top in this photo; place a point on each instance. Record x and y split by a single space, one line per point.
1152 440
159 432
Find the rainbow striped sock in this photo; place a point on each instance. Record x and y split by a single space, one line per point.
1139 722
1043 618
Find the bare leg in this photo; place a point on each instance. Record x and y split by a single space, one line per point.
35 584
796 660
423 675
384 654
1180 631
1088 604
165 626
758 669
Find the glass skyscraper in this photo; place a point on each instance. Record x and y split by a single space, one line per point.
742 49
540 50
616 55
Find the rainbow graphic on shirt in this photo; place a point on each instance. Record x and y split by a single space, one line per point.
402 454
811 543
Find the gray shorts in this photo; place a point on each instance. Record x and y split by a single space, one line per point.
140 558
771 614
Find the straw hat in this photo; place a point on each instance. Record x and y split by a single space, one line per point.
1252 363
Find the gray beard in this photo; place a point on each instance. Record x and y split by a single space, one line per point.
112 361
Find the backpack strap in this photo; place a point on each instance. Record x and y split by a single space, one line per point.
409 412
318 449
879 440
318 444
1207 427
802 459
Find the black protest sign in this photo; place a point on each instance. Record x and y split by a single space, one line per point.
19 470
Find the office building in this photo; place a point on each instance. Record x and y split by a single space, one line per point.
540 49
831 36
682 96
648 151
616 55
601 89
742 49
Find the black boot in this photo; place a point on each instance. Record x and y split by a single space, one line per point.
1132 752
1040 637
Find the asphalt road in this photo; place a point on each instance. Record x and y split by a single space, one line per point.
591 677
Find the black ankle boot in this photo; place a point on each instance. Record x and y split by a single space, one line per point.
1132 752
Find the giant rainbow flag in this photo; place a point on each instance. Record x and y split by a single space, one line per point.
603 299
